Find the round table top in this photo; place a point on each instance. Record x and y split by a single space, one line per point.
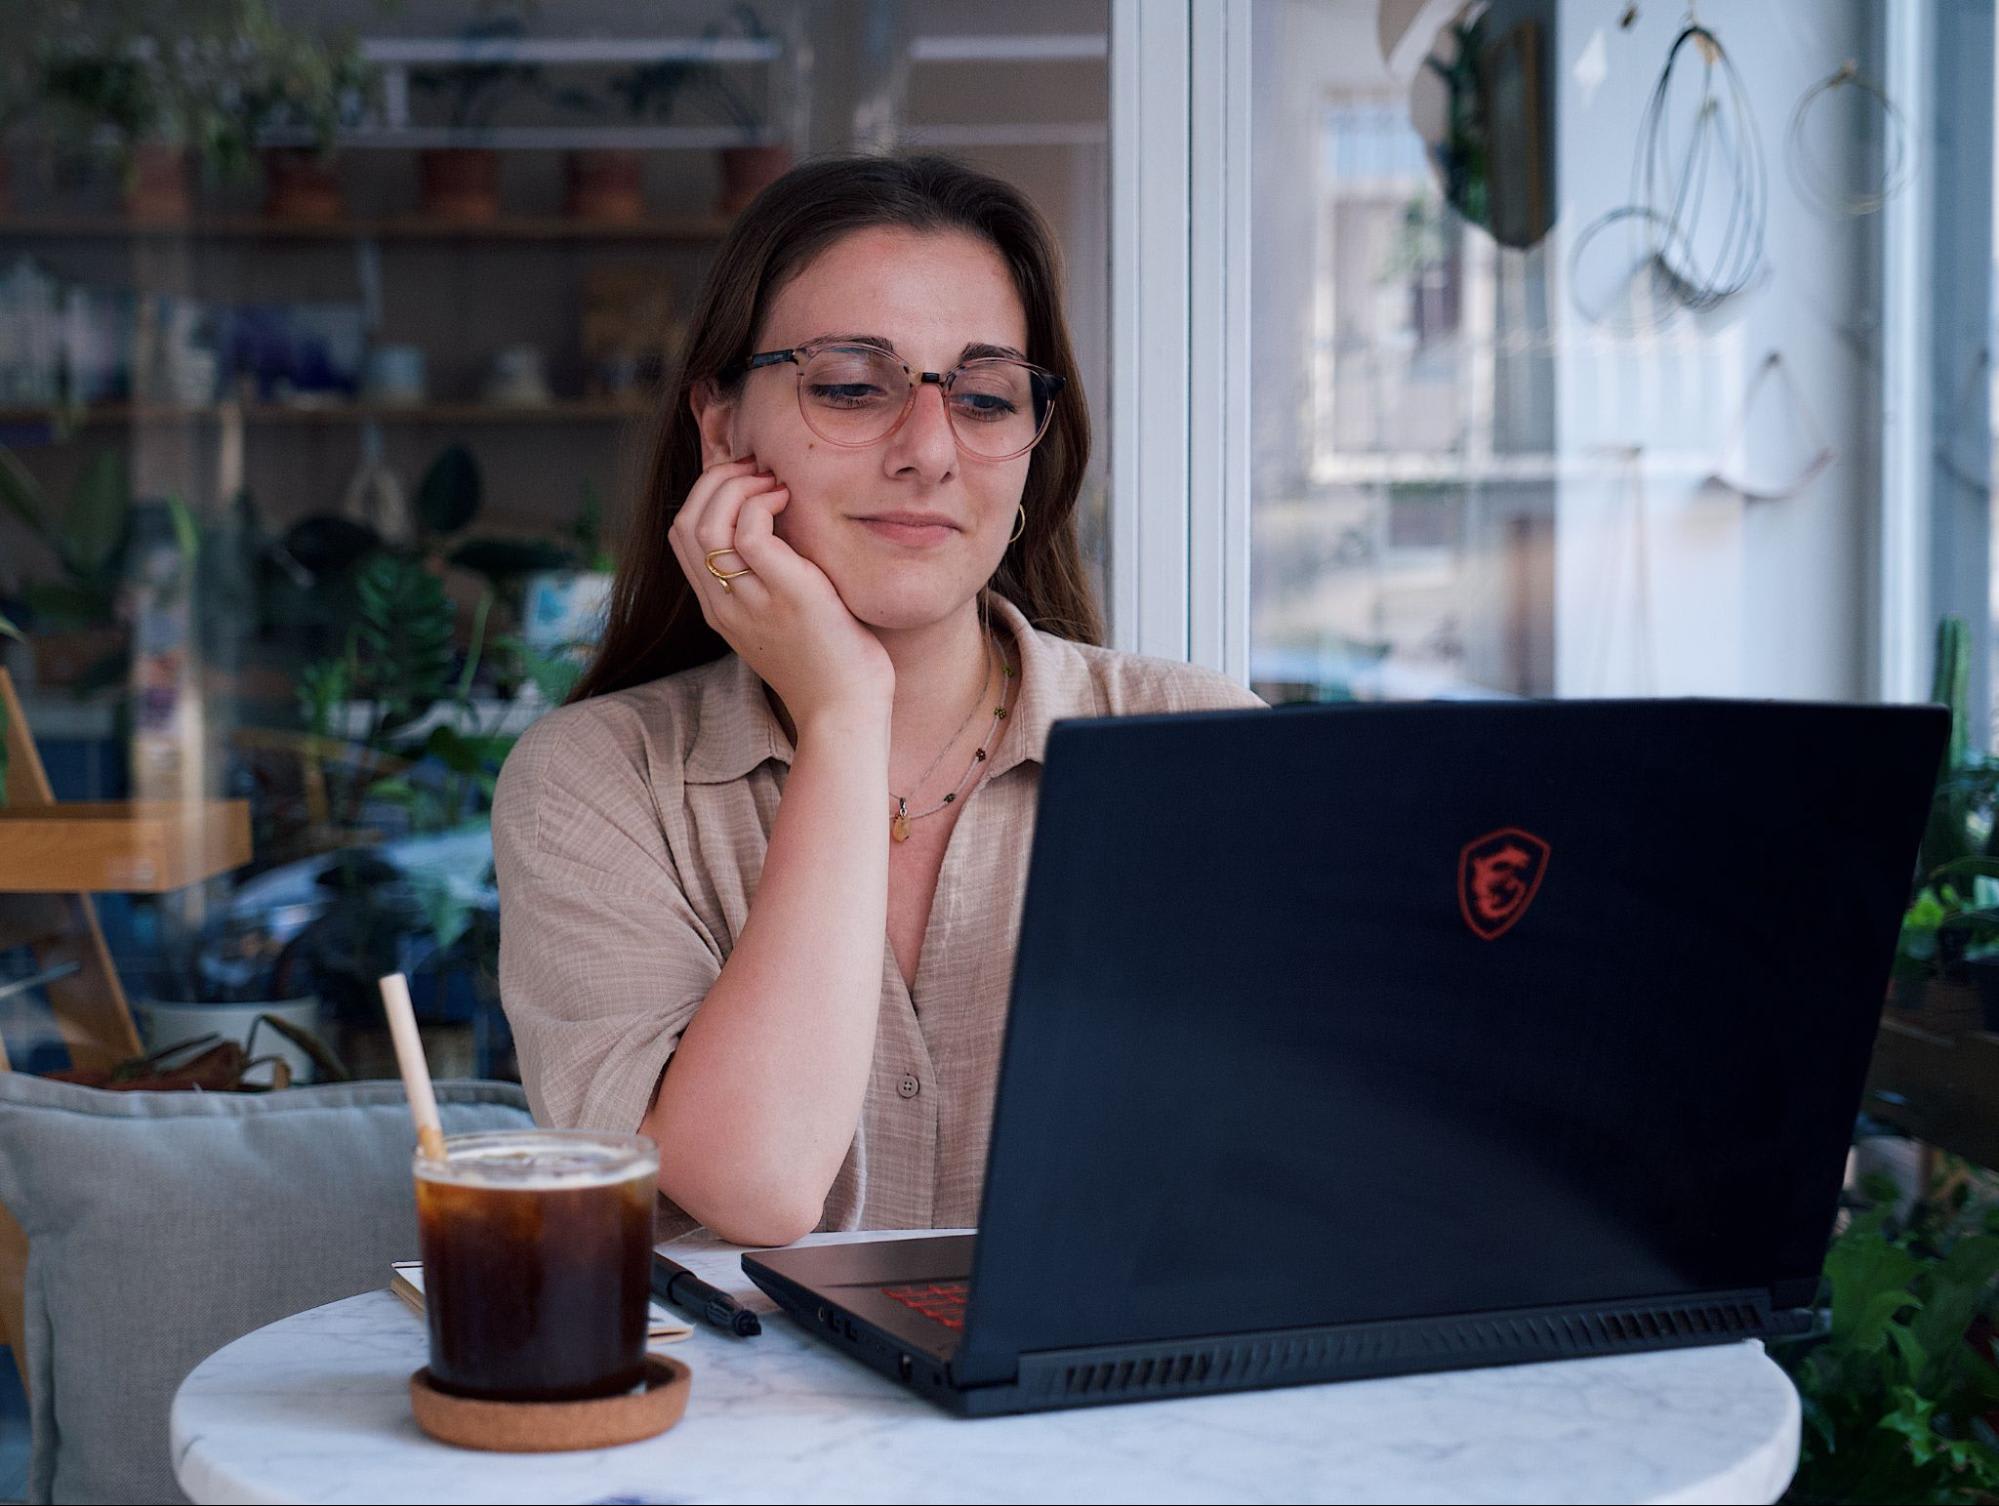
316 1407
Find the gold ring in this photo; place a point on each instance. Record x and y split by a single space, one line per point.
724 576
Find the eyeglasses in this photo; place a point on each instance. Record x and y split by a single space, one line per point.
858 395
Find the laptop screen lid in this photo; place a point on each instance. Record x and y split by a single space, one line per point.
1342 1014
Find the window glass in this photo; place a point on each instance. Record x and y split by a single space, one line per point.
315 442
1567 344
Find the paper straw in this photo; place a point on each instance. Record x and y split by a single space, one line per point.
409 1057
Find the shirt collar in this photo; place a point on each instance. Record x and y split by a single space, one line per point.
737 731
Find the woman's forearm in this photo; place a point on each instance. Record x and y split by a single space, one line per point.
759 1103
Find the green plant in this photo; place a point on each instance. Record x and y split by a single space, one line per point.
588 532
474 91
449 499
1463 155
1898 1389
22 24
649 91
1955 907
398 659
88 533
207 75
311 92
398 654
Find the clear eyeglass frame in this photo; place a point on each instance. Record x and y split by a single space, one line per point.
1044 384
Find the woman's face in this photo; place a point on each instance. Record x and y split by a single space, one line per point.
927 297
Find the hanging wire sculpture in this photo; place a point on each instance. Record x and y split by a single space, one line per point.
1809 175
1698 210
1816 464
1970 416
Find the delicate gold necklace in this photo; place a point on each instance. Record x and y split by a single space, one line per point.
898 826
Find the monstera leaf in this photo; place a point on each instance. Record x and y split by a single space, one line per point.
449 495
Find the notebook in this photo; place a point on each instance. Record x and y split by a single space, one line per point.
406 1281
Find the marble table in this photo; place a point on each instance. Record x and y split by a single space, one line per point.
315 1408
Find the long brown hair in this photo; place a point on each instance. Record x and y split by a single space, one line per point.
655 626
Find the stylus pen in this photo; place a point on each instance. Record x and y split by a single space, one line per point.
673 1282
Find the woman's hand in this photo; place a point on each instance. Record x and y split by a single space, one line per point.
784 618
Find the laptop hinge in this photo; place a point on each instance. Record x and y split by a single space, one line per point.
1280 1356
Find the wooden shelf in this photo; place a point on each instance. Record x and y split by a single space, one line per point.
1941 1089
567 410
141 847
691 228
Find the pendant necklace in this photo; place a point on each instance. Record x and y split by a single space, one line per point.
899 823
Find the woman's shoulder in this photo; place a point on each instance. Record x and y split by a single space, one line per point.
1125 684
639 731
588 782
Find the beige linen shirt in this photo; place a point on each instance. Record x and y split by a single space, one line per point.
628 835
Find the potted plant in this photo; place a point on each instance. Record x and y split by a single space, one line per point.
115 88
462 183
602 184
20 81
399 627
650 91
421 902
303 94
78 639
201 81
223 979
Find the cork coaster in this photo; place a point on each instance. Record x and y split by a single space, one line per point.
541 1427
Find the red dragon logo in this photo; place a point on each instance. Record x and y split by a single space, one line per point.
1498 876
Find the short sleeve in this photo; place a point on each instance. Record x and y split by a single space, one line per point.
1194 687
603 961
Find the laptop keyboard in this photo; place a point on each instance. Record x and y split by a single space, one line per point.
943 1301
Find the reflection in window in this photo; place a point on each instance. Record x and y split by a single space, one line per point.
1528 421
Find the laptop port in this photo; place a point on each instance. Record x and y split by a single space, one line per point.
905 1367
826 1317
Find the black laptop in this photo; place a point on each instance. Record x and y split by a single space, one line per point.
1361 1040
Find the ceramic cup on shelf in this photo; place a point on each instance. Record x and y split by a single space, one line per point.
518 379
395 376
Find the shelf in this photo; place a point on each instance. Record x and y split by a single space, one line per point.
1003 47
573 410
691 228
1435 468
953 136
136 847
664 138
401 52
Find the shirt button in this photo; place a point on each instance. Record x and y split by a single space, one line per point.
909 1087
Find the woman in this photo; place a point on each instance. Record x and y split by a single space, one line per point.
760 880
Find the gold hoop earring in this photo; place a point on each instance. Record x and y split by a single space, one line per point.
1023 525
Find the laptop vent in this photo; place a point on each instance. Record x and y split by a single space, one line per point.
1166 1372
1387 1349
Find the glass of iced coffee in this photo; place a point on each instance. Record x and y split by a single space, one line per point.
537 1248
